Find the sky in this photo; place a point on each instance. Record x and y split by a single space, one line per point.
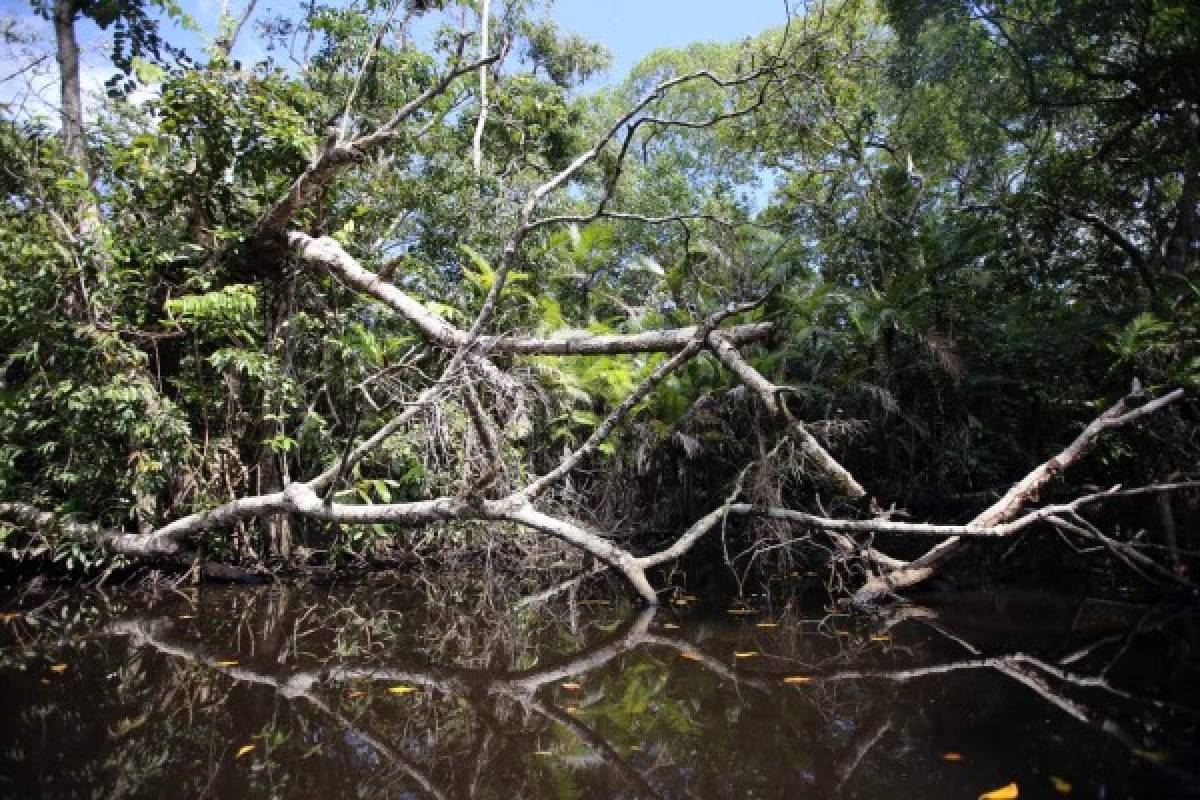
630 29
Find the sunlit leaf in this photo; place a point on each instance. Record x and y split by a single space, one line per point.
745 654
244 749
1009 792
401 689
58 668
952 756
767 625
798 680
127 724
1061 786
691 655
572 709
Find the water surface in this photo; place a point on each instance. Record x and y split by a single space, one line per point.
366 692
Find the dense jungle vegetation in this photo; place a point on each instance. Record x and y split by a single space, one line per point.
798 293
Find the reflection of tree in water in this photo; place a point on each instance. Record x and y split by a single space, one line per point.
576 700
646 711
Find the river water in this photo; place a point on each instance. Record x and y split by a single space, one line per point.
365 691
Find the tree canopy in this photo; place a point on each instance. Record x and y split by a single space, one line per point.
894 253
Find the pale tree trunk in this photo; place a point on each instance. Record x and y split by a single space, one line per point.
71 111
78 299
89 232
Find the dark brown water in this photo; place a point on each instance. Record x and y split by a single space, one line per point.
362 692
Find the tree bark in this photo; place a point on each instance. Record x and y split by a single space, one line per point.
1012 503
71 103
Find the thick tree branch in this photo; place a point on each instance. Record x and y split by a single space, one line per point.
828 470
605 428
338 154
1015 500
328 254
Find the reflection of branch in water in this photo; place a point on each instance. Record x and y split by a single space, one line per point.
1031 672
597 743
1028 670
864 740
471 684
149 633
494 696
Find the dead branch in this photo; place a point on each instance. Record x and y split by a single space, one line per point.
828 469
1015 500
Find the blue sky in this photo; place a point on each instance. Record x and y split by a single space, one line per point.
633 28
629 28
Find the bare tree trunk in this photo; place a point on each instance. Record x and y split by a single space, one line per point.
72 96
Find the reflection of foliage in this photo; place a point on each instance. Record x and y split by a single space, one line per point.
332 694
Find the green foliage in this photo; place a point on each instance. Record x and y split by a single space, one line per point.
969 222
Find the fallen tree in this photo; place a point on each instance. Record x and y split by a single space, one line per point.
474 356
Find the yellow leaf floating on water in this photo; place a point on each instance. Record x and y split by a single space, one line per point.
1010 792
571 686
952 756
746 654
881 637
690 655
1061 786
58 668
743 611
227 663
244 749
187 616
797 680
1151 755
670 626
767 625
10 616
542 753
356 694
401 689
